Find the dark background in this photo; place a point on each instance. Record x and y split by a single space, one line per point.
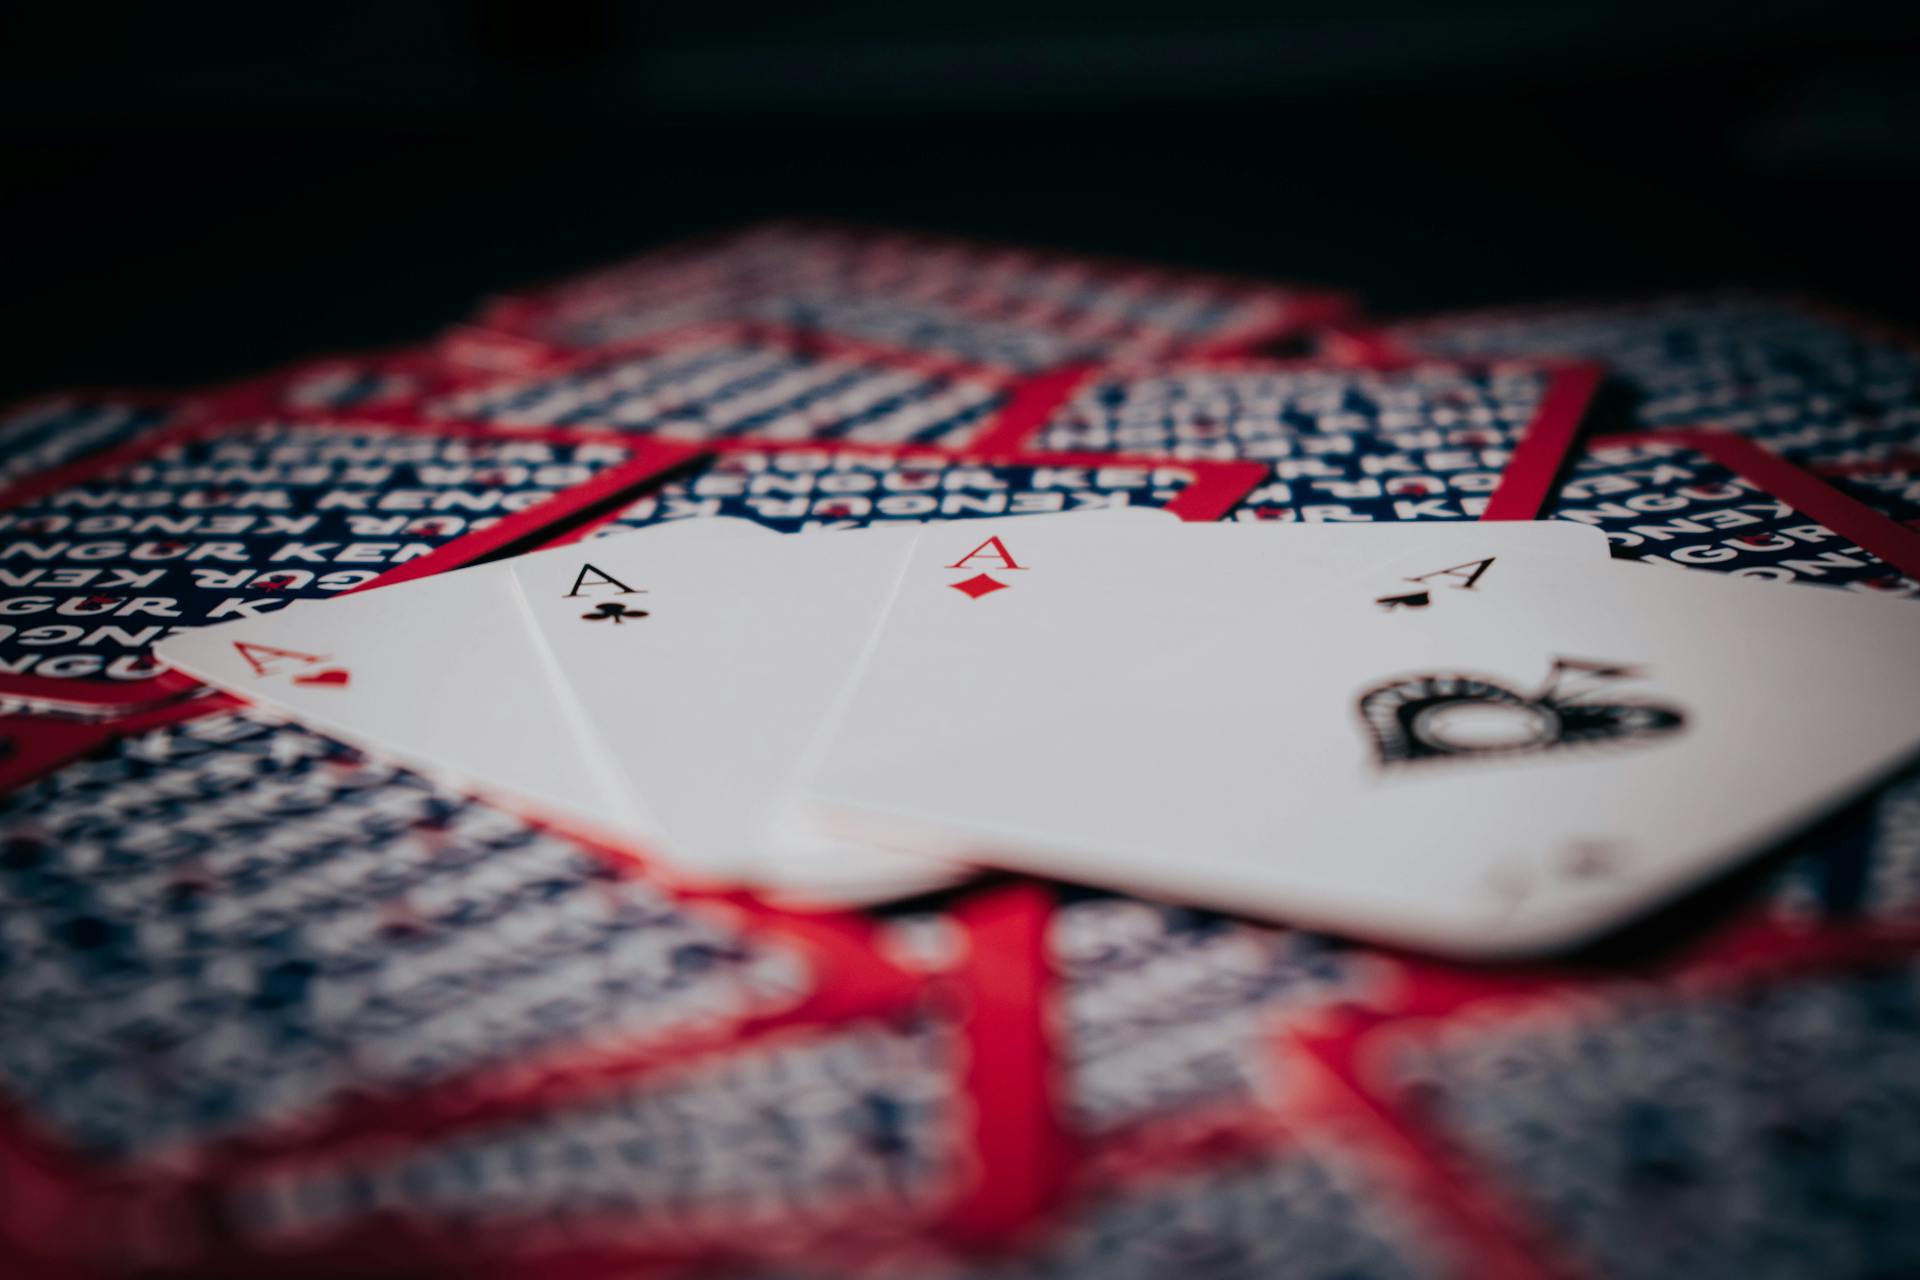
192 194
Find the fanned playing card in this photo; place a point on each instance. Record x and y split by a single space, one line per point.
208 521
658 689
1444 764
442 674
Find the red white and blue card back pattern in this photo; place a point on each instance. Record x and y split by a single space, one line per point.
737 382
1166 1017
1710 1119
1005 306
1425 441
52 431
1859 872
1807 381
356 382
1890 486
803 487
857 1129
1707 500
225 520
230 926
1317 1207
849 1140
337 1011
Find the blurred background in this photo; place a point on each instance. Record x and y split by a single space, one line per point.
193 193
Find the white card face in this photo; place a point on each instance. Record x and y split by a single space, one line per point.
807 866
1530 755
837 869
443 674
658 686
705 675
440 674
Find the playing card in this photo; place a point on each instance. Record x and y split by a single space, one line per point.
1806 380
472 350
1713 501
1003 305
1166 1020
737 382
1890 486
1867 873
650 693
859 1130
222 520
1403 581
808 487
52 431
1702 1119
1426 440
229 937
400 688
669 658
444 674
1532 754
1326 1206
831 487
838 1143
660 689
354 382
1710 500
312 871
822 487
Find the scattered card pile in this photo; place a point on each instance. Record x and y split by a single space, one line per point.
824 751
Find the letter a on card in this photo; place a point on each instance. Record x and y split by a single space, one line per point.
995 553
1466 574
267 660
1462 577
601 578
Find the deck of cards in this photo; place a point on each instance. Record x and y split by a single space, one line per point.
1485 740
826 751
